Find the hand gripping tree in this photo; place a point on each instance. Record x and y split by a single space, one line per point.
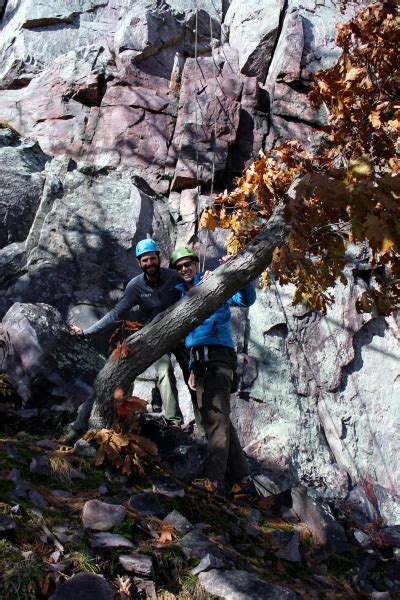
293 213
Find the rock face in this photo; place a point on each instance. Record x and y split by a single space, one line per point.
37 347
117 120
79 243
21 181
253 32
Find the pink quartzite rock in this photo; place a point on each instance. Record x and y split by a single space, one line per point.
132 128
282 130
207 120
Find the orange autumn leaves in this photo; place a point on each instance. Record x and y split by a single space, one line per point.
118 338
347 193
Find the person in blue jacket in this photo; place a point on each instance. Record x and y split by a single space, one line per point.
213 364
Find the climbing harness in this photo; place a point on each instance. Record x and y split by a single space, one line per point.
199 364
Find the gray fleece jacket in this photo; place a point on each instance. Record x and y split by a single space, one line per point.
152 298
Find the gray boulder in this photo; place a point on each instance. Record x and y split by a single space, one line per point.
100 516
39 347
111 541
139 564
241 585
291 551
21 180
178 522
320 520
84 586
208 562
253 29
196 545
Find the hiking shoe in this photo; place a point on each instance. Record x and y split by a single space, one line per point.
244 489
214 488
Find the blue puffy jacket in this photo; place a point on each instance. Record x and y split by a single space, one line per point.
216 329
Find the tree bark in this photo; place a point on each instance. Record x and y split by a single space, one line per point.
171 326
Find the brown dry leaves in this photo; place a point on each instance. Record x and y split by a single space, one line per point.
348 194
122 449
166 534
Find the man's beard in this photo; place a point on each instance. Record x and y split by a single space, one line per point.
151 270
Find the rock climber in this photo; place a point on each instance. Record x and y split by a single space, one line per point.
153 291
213 363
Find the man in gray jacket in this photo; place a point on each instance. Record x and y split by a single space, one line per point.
153 291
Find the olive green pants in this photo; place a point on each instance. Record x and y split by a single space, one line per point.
225 457
166 383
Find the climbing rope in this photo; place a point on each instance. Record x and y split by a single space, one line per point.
196 128
203 243
290 328
202 267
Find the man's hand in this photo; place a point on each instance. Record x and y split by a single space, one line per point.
226 258
221 261
192 381
76 330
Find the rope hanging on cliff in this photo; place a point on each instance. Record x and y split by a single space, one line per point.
196 126
203 244
214 139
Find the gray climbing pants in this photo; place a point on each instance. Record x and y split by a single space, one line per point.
166 383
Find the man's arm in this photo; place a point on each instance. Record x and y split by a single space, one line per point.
244 298
127 301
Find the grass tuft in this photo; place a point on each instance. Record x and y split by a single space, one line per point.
60 470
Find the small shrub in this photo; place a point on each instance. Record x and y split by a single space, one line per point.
21 577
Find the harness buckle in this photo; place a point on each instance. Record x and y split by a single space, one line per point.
198 361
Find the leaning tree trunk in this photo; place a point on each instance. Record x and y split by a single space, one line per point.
171 326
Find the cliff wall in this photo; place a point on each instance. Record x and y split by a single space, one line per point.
120 112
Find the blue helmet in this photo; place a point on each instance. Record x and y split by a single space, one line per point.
145 246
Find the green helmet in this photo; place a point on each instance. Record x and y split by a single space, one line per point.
182 252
